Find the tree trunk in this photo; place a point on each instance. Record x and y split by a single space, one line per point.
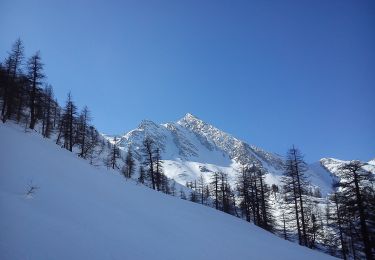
343 250
300 198
32 104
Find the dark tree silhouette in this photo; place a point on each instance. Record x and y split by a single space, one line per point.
141 178
114 155
148 151
128 168
48 106
158 166
35 75
13 65
214 184
295 184
356 187
83 131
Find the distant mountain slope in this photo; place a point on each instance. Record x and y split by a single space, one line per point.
82 212
192 147
332 165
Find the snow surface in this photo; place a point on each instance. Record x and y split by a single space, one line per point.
82 212
320 177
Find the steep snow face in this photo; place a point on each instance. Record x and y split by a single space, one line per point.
238 150
321 177
370 166
82 212
191 147
333 165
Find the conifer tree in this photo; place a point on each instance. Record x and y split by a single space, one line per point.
243 190
158 166
83 131
141 178
201 189
128 168
182 194
13 65
68 122
35 75
214 184
356 188
148 152
48 105
193 196
173 188
295 184
114 155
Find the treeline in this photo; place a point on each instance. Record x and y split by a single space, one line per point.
29 100
343 225
351 212
26 98
149 168
250 198
254 200
217 192
346 227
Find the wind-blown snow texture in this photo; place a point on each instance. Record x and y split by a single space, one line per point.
192 147
82 212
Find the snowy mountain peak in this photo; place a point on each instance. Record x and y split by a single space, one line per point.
189 118
331 164
238 150
191 144
191 147
146 124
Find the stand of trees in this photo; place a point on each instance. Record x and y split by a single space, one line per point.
153 166
300 204
254 195
114 155
27 99
345 228
295 183
352 213
129 165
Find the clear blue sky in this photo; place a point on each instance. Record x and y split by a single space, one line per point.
273 73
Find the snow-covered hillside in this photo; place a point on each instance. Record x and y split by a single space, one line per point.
192 147
332 165
82 212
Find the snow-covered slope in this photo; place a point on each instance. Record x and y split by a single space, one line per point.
333 165
370 166
82 212
192 147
